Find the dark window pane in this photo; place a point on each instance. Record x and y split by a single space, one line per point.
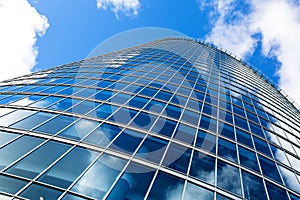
269 168
164 126
33 120
206 141
177 157
244 138
227 150
253 187
276 193
262 146
226 130
248 159
228 178
160 191
185 133
203 167
134 183
152 149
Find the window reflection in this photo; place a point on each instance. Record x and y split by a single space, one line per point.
166 187
133 184
193 191
203 167
228 177
253 187
99 178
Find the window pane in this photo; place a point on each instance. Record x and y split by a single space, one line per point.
6 136
160 191
33 120
203 167
16 149
228 178
152 149
193 191
64 172
99 178
253 187
36 191
269 168
32 165
206 141
227 150
248 158
79 129
10 185
56 124
134 183
276 192
14 117
177 157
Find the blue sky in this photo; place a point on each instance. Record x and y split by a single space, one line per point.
41 34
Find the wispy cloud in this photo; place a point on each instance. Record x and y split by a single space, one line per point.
20 25
128 7
237 23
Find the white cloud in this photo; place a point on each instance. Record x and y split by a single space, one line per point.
20 25
278 21
129 7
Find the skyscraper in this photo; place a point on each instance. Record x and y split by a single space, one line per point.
171 119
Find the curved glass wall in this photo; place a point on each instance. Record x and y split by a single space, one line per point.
171 119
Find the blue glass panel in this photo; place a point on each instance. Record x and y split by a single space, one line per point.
160 191
68 91
124 116
120 98
44 103
127 141
33 120
152 149
32 165
103 95
208 123
289 179
84 107
293 197
12 98
253 187
203 167
11 185
256 130
64 104
13 117
248 158
16 149
104 110
6 137
79 129
238 110
64 172
164 126
133 184
193 191
28 100
206 141
103 135
228 178
276 193
177 157
252 117
269 168
227 150
138 102
99 178
55 125
244 138
173 111
36 191
262 146
72 197
185 133
190 117
226 130
240 122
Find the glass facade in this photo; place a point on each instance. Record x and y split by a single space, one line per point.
171 119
